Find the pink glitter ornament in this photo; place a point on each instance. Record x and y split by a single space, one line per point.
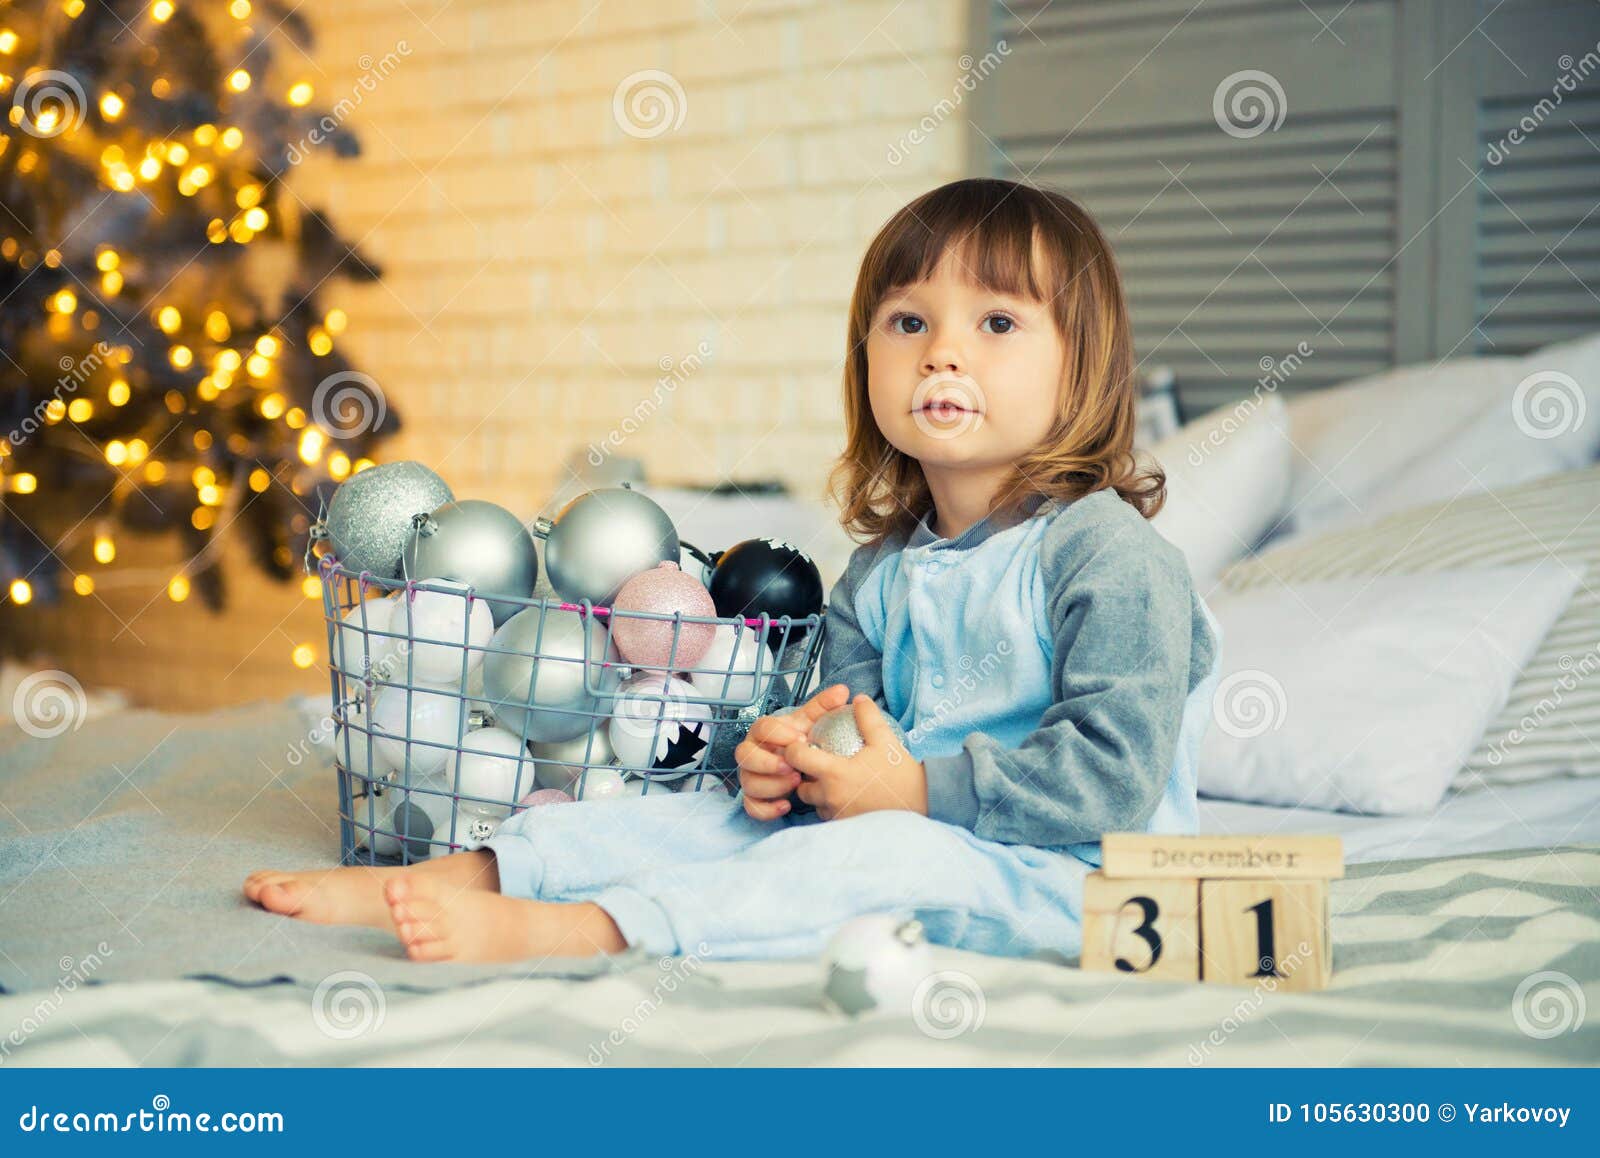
663 590
542 796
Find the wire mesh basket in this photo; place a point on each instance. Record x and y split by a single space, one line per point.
450 717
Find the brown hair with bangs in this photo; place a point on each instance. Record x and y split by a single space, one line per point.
1029 242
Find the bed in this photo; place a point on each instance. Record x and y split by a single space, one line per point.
1465 935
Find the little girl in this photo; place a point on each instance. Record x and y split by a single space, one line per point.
1041 648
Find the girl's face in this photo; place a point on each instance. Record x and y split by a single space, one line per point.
960 377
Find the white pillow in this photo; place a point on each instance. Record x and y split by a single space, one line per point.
1426 433
1369 694
1227 481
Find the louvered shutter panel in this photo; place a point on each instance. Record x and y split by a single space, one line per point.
1332 229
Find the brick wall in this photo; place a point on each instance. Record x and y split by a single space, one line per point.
543 264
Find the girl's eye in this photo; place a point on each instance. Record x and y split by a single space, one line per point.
912 319
1002 323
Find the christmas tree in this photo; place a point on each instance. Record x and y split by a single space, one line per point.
169 366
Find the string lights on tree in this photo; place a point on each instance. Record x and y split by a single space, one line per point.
166 346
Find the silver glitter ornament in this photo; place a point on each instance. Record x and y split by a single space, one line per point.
521 667
602 539
477 543
369 517
836 732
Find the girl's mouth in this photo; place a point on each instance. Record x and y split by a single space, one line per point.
945 409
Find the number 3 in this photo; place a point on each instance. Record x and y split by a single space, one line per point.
1146 930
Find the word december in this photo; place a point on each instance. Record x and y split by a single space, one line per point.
1213 858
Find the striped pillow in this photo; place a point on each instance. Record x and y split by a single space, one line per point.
1550 726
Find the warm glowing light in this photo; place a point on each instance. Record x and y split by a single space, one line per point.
22 592
267 346
64 301
111 106
150 168
73 8
104 549
175 401
260 480
312 443
272 406
199 176
118 393
238 80
182 357
205 135
161 11
155 471
231 139
336 321
207 389
300 94
257 366
107 260
210 496
229 360
116 452
202 476
83 584
176 153
361 465
55 410
169 319
202 440
256 218
216 232
248 196
24 483
47 120
81 410
294 418
304 656
160 87
122 180
217 327
240 9
138 448
178 589
8 41
311 587
319 342
339 464
111 282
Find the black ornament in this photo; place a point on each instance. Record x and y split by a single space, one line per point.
767 577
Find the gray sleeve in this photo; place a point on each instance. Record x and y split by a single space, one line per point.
1121 608
848 657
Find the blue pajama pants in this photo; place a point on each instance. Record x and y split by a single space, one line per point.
693 873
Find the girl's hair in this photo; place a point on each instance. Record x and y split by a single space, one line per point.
1030 242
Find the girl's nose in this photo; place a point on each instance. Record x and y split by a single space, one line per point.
942 359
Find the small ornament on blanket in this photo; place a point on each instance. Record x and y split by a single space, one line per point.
876 964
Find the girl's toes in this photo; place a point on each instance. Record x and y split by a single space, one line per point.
428 951
256 881
282 897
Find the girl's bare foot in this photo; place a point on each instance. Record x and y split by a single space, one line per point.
436 921
354 895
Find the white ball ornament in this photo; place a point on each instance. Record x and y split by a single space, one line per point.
442 632
421 723
658 727
359 649
494 766
728 669
605 784
356 755
876 964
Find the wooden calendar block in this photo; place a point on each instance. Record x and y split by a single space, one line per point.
1146 927
1144 854
1253 932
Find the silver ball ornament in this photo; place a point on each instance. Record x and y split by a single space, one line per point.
521 668
602 539
477 543
369 517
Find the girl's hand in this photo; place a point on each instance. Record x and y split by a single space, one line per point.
764 775
883 775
